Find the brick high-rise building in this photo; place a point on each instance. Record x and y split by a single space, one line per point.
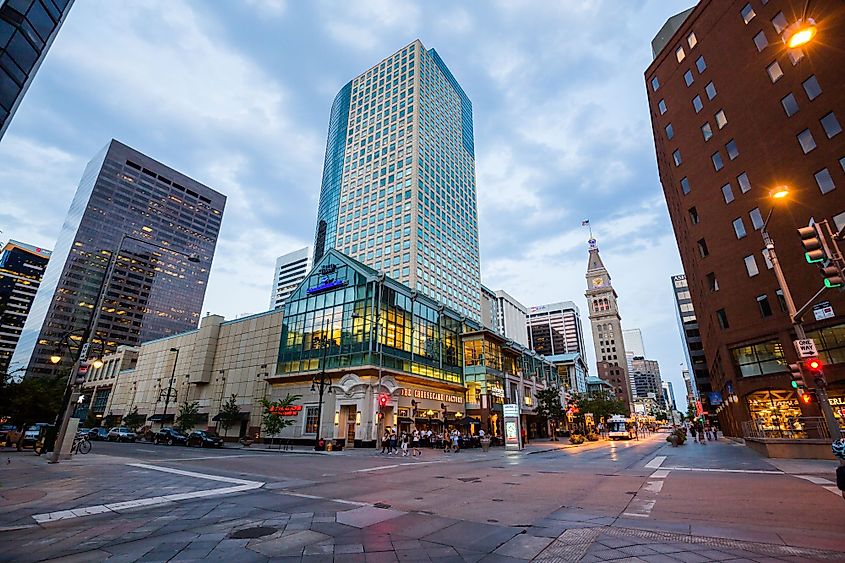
735 114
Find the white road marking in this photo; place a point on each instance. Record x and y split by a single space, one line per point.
340 500
835 490
640 508
148 451
754 471
241 485
376 468
660 474
656 462
815 480
380 467
653 486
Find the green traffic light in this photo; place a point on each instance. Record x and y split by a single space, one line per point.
811 260
828 283
794 384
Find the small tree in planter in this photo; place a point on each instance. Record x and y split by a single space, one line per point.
549 407
271 419
230 413
133 420
187 417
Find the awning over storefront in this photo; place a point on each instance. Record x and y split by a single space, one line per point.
241 416
426 420
405 420
161 418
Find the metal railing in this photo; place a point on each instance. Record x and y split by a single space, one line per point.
805 427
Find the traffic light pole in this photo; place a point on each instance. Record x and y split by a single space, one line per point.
821 392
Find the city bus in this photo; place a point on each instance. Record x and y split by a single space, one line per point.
619 427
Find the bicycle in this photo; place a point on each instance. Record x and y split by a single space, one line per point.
81 444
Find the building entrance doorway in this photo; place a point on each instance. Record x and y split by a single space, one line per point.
350 421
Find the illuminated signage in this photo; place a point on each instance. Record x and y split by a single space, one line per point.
431 395
327 283
290 410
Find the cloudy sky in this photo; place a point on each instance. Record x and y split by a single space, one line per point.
238 94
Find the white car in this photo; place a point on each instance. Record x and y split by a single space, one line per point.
121 434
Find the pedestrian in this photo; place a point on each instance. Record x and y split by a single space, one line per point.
455 447
393 448
447 441
385 441
701 438
415 442
838 448
404 444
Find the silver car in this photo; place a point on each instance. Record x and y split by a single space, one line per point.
121 434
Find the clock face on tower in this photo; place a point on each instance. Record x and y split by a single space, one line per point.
598 282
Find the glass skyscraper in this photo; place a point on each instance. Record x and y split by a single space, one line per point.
27 28
398 191
152 292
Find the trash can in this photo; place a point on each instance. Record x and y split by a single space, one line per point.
485 444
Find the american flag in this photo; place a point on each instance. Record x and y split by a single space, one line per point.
585 222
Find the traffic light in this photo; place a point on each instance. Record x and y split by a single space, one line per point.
797 377
811 238
806 398
382 399
832 276
815 370
817 251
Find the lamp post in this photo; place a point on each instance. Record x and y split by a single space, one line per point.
323 383
782 192
90 331
170 385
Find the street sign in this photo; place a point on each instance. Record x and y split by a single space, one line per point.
823 310
805 347
511 409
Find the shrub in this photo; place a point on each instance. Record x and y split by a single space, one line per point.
576 439
592 437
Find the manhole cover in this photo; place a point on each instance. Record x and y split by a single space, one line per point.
381 505
252 533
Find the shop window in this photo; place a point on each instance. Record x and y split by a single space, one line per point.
775 414
759 359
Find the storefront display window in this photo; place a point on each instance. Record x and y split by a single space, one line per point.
776 414
760 359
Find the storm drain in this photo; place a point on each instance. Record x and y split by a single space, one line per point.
252 533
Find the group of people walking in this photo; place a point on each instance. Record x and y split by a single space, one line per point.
701 433
408 443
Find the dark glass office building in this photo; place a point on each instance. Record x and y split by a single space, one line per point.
27 29
21 268
154 291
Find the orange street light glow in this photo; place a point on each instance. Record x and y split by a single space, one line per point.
780 192
800 33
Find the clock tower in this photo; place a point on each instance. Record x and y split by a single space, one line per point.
611 363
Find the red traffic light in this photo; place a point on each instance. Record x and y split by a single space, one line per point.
813 364
382 400
806 398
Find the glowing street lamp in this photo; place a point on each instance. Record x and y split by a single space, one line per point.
779 192
800 33
55 358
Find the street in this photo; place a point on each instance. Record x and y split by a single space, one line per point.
552 501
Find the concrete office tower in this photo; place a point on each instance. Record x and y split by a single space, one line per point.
690 333
511 318
646 377
556 329
633 347
669 395
489 309
152 292
608 340
27 29
727 130
398 191
21 268
291 269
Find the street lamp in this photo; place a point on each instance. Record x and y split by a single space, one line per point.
800 33
781 193
170 385
323 383
89 333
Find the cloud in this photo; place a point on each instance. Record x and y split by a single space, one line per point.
272 8
365 26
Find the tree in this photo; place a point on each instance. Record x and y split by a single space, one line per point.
271 418
133 420
550 407
600 405
32 399
230 413
187 417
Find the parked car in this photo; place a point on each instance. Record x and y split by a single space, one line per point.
204 439
121 434
98 434
4 432
31 434
169 436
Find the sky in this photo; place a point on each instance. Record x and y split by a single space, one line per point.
237 95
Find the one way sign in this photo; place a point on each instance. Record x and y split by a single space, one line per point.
805 347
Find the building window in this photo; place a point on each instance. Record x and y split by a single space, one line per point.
831 125
739 227
812 88
310 420
706 131
696 104
759 359
688 78
805 139
779 22
756 218
795 56
702 248
717 161
775 73
751 266
731 149
676 156
747 13
721 120
727 193
710 90
712 284
693 216
830 342
685 187
744 183
790 104
655 84
661 105
825 181
679 54
763 303
760 41
722 317
700 64
669 132
692 41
